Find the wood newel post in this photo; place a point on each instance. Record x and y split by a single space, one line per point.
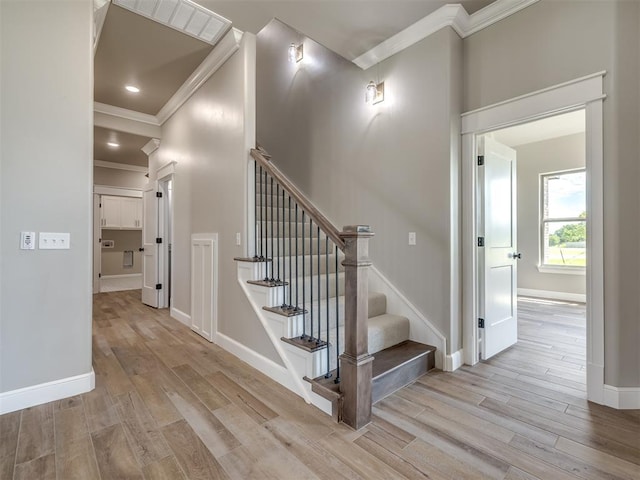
355 362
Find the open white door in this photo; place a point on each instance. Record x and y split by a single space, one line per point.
150 278
97 244
497 269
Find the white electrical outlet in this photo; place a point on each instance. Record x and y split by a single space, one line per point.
54 241
238 239
27 240
412 238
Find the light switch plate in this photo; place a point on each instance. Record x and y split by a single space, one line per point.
412 238
54 241
27 240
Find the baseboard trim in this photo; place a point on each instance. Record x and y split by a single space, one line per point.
454 361
622 398
124 275
569 297
261 363
180 316
46 392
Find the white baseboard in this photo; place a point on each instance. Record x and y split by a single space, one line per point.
46 392
257 361
569 297
124 275
180 316
622 398
454 361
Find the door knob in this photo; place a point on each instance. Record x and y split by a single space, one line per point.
517 255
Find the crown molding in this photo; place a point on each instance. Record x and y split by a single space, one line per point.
454 16
226 47
120 166
151 146
126 114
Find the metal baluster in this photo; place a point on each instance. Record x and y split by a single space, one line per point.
255 213
277 231
337 379
284 266
271 279
311 275
290 306
319 280
261 219
297 275
326 271
304 281
266 229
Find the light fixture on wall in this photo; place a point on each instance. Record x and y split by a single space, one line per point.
374 92
295 53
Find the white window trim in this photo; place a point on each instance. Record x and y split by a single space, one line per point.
548 267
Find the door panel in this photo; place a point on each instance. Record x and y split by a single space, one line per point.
497 263
150 295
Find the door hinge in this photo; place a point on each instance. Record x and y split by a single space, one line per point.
480 160
99 205
99 240
158 286
158 240
481 241
159 194
99 275
481 323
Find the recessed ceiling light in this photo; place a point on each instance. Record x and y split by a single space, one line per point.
113 144
132 89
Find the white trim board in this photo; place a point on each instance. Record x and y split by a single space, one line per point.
117 191
120 166
125 275
180 316
583 93
622 398
454 361
46 392
451 15
569 297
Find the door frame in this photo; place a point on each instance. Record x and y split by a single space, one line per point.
165 264
582 93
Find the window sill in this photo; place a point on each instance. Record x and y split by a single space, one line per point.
566 270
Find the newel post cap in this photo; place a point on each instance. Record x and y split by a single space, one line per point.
350 231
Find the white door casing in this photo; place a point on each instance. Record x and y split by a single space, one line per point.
150 278
497 261
582 93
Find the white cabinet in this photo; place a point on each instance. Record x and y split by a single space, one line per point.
123 213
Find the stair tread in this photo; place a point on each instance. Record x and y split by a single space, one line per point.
394 357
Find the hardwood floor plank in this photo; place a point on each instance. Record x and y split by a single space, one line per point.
193 456
143 435
9 430
156 399
164 469
99 409
42 468
594 457
115 459
205 391
37 436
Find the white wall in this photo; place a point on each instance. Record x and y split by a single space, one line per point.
209 137
113 177
45 186
393 166
536 158
552 42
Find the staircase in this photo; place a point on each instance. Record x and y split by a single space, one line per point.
310 283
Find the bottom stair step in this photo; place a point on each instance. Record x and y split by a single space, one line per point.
398 366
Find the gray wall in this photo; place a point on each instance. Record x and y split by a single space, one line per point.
552 42
118 178
112 258
210 141
551 155
45 185
392 166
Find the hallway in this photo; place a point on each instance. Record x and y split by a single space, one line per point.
170 405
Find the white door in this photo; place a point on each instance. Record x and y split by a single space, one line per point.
97 243
498 257
150 278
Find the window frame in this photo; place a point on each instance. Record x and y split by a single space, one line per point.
542 221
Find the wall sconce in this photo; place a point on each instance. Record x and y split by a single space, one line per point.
295 53
374 93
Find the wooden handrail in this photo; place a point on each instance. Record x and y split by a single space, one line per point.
264 159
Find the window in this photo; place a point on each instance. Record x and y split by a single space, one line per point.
563 220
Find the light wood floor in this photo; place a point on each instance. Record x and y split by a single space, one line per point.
169 405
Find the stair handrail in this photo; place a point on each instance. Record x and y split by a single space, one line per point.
261 156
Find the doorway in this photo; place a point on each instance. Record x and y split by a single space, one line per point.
581 94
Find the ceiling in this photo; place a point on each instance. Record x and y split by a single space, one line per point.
135 50
545 129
